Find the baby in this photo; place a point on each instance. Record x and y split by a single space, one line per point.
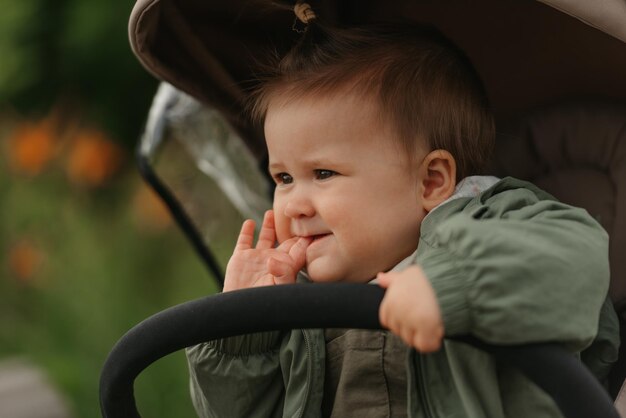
376 137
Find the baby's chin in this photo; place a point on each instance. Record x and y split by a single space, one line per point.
319 274
317 278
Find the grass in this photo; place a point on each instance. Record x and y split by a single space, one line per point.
97 270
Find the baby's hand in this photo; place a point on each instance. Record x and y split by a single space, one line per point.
264 265
410 309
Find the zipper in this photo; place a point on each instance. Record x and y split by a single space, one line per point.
422 387
307 345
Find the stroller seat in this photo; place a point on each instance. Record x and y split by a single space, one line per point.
577 152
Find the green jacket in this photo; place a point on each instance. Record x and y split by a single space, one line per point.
509 266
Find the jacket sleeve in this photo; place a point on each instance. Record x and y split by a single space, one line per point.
518 267
237 377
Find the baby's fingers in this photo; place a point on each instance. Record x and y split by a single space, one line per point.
296 249
298 252
282 272
246 236
385 314
286 245
383 279
428 341
267 236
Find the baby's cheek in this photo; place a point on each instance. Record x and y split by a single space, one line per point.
283 231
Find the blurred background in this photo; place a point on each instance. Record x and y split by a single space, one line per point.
86 249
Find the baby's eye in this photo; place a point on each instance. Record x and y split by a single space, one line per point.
283 178
324 174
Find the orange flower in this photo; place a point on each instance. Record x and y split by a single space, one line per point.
93 159
150 211
25 260
32 146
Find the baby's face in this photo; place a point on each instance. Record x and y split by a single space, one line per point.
342 180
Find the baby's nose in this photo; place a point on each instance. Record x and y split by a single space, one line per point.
298 208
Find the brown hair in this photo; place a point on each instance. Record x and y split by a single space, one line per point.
425 87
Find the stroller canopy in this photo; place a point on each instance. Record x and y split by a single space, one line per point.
528 52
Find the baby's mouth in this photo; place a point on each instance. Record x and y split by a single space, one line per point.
318 237
315 237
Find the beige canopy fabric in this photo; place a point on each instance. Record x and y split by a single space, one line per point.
607 15
527 52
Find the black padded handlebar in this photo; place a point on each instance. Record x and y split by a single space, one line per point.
337 305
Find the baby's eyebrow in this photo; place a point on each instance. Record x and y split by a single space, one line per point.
274 166
319 162
340 165
310 163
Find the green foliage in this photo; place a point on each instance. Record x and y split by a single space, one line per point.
87 270
101 273
75 53
18 69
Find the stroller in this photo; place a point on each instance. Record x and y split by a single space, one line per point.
554 71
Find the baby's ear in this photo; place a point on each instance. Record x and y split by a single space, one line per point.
438 178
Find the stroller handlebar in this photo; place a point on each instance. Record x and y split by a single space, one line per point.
338 305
